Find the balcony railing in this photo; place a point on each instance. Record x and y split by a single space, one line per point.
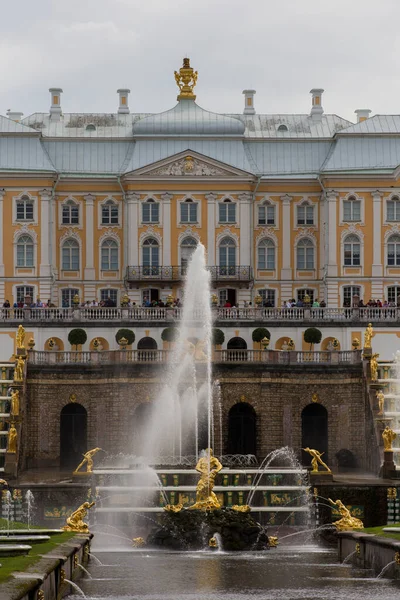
170 273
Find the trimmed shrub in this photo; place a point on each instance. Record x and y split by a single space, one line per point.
312 336
77 337
169 334
218 337
125 333
259 334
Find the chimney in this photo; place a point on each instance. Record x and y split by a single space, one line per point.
14 115
249 102
123 108
55 107
362 114
316 110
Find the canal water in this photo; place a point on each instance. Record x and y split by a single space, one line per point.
285 573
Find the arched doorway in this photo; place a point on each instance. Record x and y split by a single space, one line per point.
242 437
73 435
237 347
314 431
146 349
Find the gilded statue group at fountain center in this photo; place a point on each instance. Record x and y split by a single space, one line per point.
208 467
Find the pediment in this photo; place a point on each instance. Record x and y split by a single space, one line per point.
189 164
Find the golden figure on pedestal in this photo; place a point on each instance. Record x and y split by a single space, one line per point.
388 436
381 401
209 467
368 333
88 458
75 521
186 79
316 459
212 542
347 521
20 338
15 403
19 369
12 439
374 367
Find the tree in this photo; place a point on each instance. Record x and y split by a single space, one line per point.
125 333
312 336
169 334
77 337
218 337
259 334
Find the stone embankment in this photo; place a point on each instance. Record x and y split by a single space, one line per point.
370 552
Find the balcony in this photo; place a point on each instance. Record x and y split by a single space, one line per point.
171 274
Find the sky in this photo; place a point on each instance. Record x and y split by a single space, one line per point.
280 48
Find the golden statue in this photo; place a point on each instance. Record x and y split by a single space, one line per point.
314 397
19 369
212 542
316 458
138 542
388 436
88 458
374 367
347 521
272 541
75 521
209 467
244 508
174 508
186 79
15 403
368 333
20 337
3 482
12 439
381 401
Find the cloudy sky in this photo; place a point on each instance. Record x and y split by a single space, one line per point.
281 48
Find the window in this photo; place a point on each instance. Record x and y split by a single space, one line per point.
109 294
305 254
266 255
351 209
109 213
266 214
349 291
67 296
227 253
151 257
188 211
188 246
24 209
25 251
305 214
301 294
70 255
227 212
393 292
109 255
282 128
90 127
393 251
268 297
393 209
352 251
150 212
70 213
23 291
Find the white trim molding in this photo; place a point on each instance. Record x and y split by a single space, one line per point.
34 200
61 205
100 205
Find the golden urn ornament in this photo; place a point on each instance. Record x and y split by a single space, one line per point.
347 521
214 299
75 300
258 300
265 343
123 342
355 343
124 300
75 521
31 343
186 80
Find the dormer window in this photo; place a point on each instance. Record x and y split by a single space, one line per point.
283 128
227 211
90 127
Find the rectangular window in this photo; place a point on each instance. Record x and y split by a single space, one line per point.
268 297
67 296
189 212
70 259
266 258
352 255
393 255
227 212
23 291
109 259
24 210
349 292
305 215
302 294
150 212
266 215
393 210
70 215
394 294
351 210
109 214
305 258
109 294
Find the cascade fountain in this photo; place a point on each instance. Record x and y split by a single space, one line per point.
391 406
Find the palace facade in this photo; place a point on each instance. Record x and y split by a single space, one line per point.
101 205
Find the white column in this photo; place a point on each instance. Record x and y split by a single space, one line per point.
211 200
132 201
331 198
45 196
2 193
244 224
89 272
286 271
166 212
377 268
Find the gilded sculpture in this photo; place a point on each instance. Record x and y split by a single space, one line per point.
374 367
186 80
12 439
174 508
244 508
388 436
20 338
3 482
138 542
15 403
316 459
75 521
88 459
347 521
381 401
272 541
368 333
19 369
208 466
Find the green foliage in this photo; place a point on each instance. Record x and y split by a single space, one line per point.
260 333
77 337
125 333
218 337
312 336
169 334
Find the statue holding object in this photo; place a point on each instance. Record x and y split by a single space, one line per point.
316 459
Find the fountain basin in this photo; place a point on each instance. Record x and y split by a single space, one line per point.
32 532
14 550
32 539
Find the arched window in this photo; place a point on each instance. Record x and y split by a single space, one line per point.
393 251
70 255
266 214
25 251
242 429
314 430
109 255
188 246
150 211
24 209
266 254
188 211
151 256
73 435
305 254
90 127
351 209
227 211
352 251
282 128
305 214
70 213
393 209
227 252
109 213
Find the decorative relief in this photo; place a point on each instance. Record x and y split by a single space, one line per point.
306 232
392 230
227 233
189 231
109 233
266 233
189 166
25 229
150 232
352 229
70 233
